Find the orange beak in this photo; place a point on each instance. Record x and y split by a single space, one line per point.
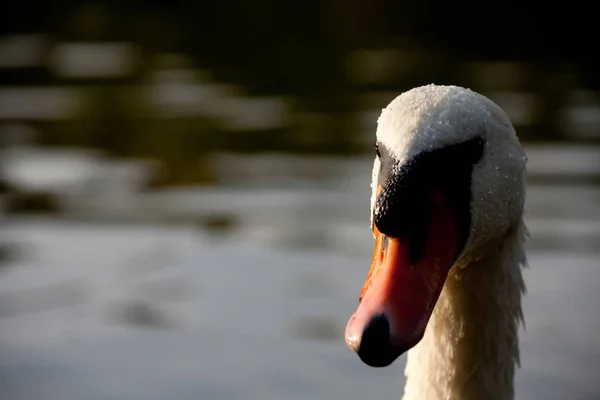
398 297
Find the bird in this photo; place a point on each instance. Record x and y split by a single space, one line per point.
445 284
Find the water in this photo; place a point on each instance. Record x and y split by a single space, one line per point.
247 295
256 309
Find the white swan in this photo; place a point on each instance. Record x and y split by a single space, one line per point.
446 211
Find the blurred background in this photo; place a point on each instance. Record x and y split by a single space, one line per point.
184 189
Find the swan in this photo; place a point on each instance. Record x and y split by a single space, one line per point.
445 284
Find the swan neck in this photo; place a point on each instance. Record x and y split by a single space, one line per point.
470 348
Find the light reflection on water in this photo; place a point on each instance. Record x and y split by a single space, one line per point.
248 300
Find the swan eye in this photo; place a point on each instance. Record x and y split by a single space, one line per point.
376 146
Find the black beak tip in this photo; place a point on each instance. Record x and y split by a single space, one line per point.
376 349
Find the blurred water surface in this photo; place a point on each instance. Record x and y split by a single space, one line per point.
245 294
184 191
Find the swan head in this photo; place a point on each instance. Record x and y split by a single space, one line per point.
448 183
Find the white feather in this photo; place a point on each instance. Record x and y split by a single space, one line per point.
470 346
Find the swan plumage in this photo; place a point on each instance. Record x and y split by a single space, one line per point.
448 191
